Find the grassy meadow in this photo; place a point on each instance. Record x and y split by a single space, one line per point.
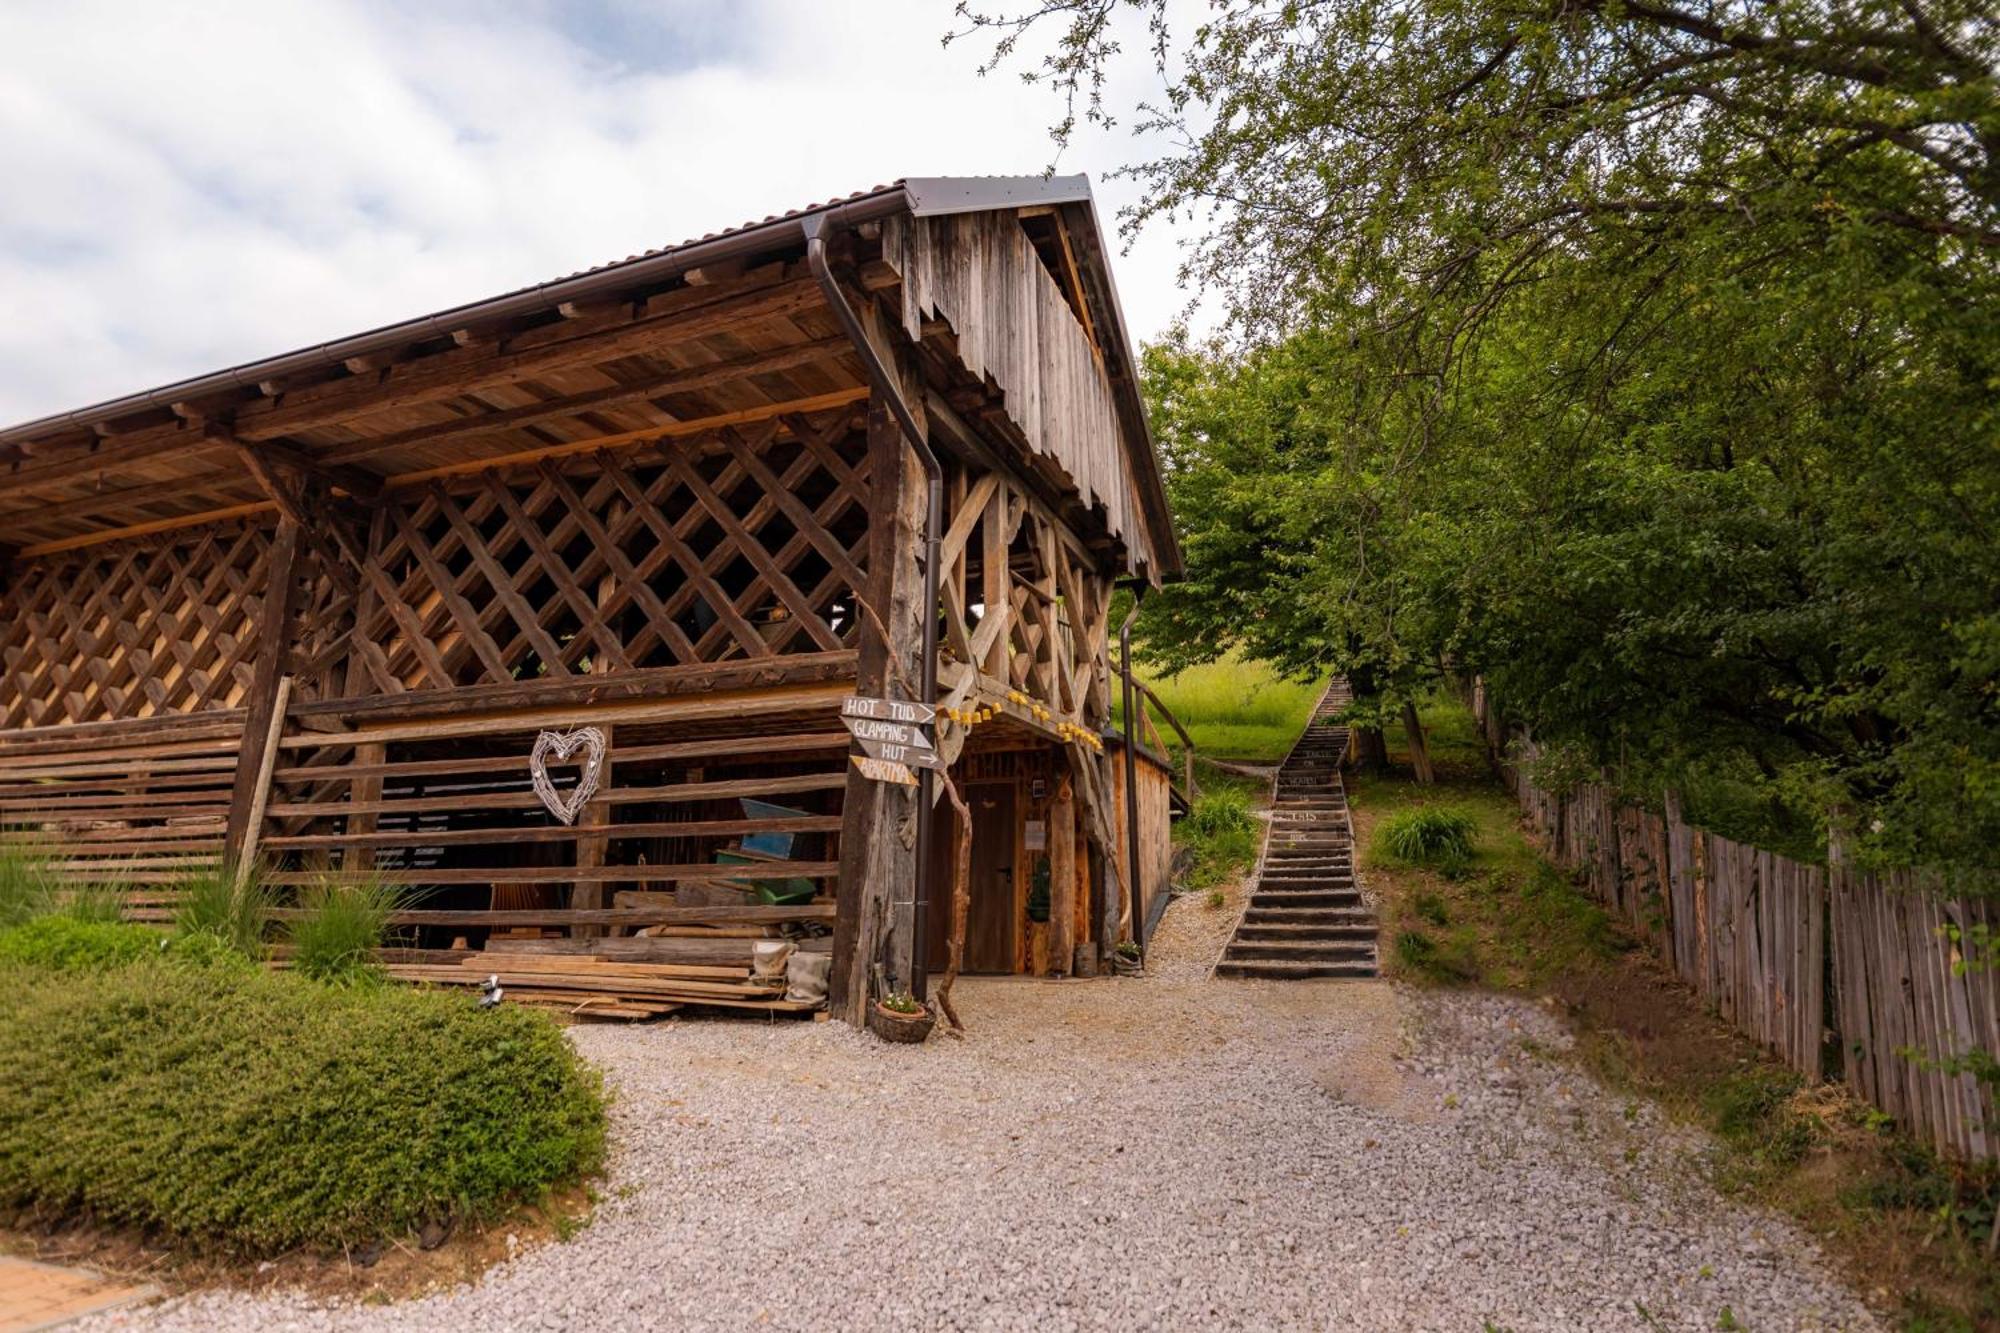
1235 709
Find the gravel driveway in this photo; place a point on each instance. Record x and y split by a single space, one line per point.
1168 1152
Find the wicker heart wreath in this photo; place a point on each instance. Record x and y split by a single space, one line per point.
562 746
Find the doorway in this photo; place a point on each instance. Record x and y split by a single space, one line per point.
990 925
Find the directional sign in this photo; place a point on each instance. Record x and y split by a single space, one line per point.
913 756
883 770
888 710
888 733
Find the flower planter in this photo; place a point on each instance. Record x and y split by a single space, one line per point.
890 1025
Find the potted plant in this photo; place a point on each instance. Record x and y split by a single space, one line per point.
898 1016
1125 959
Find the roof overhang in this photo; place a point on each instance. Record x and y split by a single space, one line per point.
919 196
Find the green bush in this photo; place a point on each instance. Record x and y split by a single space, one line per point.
67 942
1220 834
345 923
241 1110
1428 835
211 905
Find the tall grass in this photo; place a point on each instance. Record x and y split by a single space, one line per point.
28 884
31 887
1220 834
211 906
345 922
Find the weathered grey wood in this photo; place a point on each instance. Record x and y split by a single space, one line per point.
878 867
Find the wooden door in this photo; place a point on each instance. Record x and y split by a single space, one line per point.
990 922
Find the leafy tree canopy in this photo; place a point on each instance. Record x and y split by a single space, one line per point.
1643 357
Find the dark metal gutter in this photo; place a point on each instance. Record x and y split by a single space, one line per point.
886 388
1138 587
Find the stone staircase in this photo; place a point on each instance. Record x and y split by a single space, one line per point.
1305 917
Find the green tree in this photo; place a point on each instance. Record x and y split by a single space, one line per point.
1642 357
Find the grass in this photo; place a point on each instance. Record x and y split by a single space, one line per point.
1236 709
1219 836
1435 835
345 923
212 906
1897 1218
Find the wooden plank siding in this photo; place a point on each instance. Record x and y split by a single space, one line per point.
979 273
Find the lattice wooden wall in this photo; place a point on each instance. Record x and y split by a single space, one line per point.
148 628
740 545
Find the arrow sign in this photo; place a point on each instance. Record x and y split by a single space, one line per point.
867 729
908 755
888 710
883 770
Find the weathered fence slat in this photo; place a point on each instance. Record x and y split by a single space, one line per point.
1757 935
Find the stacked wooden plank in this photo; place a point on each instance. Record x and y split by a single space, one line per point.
629 978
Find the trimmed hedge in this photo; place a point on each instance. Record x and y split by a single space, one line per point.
257 1112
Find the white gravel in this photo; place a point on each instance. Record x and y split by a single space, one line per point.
1128 1154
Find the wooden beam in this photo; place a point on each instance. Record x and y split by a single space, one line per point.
878 863
676 430
274 640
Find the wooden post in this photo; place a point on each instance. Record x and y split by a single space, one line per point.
874 922
274 640
1062 876
590 851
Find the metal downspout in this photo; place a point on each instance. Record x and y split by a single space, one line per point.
1132 772
879 378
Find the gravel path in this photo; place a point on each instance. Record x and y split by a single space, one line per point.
1167 1152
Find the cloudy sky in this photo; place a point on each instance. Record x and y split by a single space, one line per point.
193 186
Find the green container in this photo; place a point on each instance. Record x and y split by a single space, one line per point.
774 892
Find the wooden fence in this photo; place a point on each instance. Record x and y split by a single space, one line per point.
1838 972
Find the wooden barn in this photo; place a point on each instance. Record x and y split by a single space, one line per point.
631 537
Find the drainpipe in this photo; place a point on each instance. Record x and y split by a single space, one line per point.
1132 771
885 387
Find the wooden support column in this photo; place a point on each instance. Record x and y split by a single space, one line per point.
878 862
274 642
1062 876
364 790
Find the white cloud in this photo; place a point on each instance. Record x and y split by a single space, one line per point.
189 187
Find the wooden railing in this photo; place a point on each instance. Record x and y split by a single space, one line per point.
1187 742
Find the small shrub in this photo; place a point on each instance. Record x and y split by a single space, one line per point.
241 1110
1752 1113
1428 835
213 905
1216 900
345 923
1220 834
66 942
1431 908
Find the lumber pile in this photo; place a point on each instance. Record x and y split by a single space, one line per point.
616 982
